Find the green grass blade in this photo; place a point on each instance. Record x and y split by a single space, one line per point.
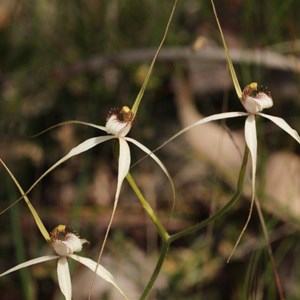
34 213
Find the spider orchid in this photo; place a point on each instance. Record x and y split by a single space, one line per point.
65 242
254 99
118 125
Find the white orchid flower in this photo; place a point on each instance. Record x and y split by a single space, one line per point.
254 100
65 242
118 125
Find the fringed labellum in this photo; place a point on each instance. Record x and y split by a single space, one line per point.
255 99
119 122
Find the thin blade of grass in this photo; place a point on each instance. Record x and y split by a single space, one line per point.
35 215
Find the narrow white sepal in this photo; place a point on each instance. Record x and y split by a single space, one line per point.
87 124
86 145
64 279
251 141
283 125
155 158
123 168
150 153
30 263
221 116
124 164
101 271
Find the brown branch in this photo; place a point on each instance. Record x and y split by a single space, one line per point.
266 58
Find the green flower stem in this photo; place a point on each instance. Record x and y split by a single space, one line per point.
167 239
162 256
160 228
219 213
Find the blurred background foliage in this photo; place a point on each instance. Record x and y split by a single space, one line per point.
74 60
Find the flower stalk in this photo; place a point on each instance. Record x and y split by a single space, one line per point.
222 210
150 212
168 239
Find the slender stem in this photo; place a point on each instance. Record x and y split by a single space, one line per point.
162 232
167 239
162 256
150 212
220 212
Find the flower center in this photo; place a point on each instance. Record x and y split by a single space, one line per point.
119 122
255 99
65 241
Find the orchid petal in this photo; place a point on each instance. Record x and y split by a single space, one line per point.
123 168
124 162
64 279
155 158
70 244
257 103
101 271
67 123
251 141
84 146
283 125
88 124
30 263
226 115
